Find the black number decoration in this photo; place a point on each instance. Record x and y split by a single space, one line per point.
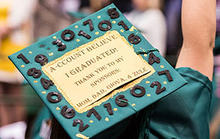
159 90
107 23
113 13
60 44
89 21
122 23
152 59
167 73
51 95
81 125
121 101
34 72
134 39
67 35
108 106
46 83
21 56
42 59
67 112
137 87
96 114
82 33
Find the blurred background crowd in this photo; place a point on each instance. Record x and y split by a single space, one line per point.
23 22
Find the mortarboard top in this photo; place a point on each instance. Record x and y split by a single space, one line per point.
96 72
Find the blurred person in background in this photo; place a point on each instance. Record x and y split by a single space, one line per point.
51 16
15 34
149 19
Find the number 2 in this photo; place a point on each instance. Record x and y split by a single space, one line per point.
159 90
81 125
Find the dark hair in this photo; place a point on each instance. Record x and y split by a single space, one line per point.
57 131
136 123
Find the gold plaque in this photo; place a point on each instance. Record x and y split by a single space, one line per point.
92 71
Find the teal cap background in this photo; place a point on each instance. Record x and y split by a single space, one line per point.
135 104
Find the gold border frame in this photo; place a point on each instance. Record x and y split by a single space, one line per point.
111 94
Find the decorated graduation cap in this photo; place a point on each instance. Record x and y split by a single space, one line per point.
96 72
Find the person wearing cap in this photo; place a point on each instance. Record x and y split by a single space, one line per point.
185 112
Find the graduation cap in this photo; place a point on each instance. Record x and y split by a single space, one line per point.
96 72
